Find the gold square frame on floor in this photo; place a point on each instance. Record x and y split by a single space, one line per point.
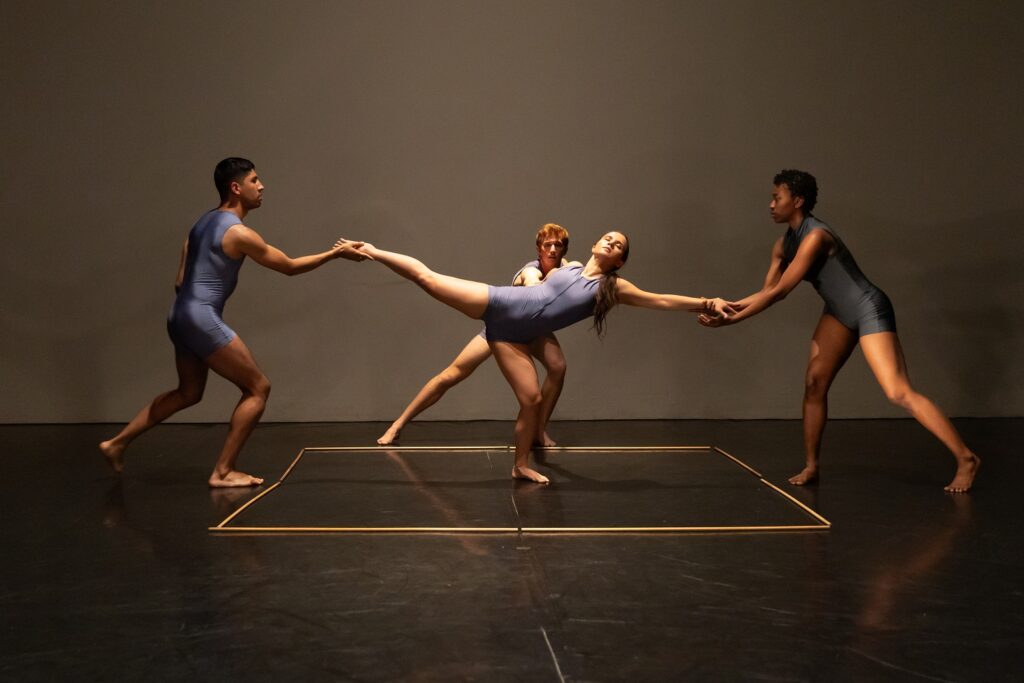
819 522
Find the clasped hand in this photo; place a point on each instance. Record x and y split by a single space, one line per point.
718 312
350 249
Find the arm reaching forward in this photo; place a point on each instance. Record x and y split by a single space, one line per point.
631 295
242 241
778 283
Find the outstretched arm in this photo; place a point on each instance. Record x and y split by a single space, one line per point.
240 240
180 278
778 283
772 277
631 295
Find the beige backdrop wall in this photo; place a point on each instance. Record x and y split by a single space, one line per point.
452 130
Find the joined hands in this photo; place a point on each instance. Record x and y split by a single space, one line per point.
351 250
717 312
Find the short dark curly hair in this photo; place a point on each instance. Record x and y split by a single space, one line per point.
800 184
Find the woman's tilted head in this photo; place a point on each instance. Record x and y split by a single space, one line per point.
611 252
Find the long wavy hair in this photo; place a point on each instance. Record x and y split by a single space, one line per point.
607 295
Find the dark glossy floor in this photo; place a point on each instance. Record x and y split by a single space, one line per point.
600 490
119 579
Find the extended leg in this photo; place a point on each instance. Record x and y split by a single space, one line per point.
517 366
465 296
549 352
192 374
468 360
235 363
885 357
831 345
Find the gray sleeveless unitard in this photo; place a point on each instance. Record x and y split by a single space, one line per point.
849 296
194 323
522 314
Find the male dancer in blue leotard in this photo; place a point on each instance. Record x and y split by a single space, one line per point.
210 260
855 311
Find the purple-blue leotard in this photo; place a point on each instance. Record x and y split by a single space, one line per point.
529 264
194 323
522 314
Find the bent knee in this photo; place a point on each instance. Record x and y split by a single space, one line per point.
815 385
261 388
451 376
190 396
556 368
900 396
531 400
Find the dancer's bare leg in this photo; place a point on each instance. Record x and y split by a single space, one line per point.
831 346
517 366
192 374
466 296
468 360
235 363
885 357
548 351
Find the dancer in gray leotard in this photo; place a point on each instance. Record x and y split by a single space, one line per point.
588 289
552 242
855 311
849 296
211 257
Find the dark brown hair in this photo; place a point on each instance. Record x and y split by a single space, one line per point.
607 293
228 171
800 184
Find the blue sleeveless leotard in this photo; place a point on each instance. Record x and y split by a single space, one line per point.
522 314
849 296
194 323
530 264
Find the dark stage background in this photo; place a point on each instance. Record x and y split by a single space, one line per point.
452 130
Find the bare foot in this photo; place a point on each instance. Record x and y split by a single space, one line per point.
233 478
545 441
807 475
528 474
965 473
389 437
114 454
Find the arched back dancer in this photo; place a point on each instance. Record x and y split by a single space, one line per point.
515 316
552 243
